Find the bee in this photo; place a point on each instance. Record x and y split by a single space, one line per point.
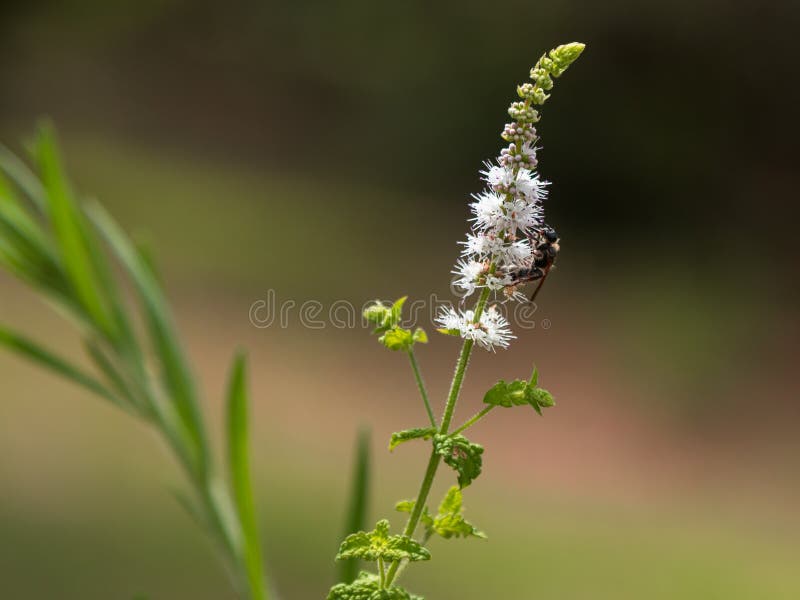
546 251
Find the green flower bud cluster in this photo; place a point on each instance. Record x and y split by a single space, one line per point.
387 322
521 155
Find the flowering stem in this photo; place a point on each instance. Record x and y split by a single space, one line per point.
435 459
474 419
461 366
421 385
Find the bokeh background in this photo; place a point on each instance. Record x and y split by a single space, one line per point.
326 150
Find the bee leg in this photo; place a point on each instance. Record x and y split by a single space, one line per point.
541 283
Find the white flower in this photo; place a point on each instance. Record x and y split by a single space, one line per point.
483 244
498 177
498 281
530 186
468 272
517 255
488 210
491 331
522 215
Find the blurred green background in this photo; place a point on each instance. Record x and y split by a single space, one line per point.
284 146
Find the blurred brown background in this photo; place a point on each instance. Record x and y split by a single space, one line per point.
283 146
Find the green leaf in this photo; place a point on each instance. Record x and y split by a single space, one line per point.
367 586
450 522
239 466
460 454
397 338
25 179
420 336
175 371
378 544
453 332
519 392
407 506
111 372
534 380
400 437
397 310
70 232
39 355
359 500
542 397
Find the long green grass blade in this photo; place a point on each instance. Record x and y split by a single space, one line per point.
356 519
31 350
112 374
239 466
17 219
20 174
175 371
70 233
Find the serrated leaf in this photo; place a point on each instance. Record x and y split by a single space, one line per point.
400 437
397 338
449 522
378 544
498 395
367 586
460 454
519 392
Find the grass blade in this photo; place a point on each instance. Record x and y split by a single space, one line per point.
175 372
239 466
70 232
359 500
31 350
20 174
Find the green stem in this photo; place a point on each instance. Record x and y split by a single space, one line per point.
383 573
474 419
435 459
461 366
419 505
421 385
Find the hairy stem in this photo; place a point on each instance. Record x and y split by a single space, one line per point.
421 385
435 459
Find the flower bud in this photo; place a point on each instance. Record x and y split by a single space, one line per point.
376 313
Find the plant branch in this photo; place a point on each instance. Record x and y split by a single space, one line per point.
477 417
435 459
421 385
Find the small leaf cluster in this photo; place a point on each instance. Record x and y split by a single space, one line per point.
519 392
367 586
460 454
379 545
449 522
387 323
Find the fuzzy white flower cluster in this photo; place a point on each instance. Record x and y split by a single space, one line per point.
509 243
490 331
507 217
